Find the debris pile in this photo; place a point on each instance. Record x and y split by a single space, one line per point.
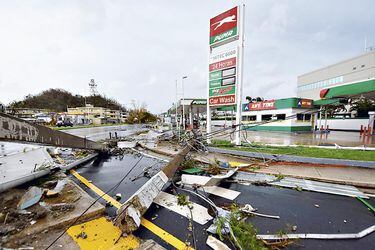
24 209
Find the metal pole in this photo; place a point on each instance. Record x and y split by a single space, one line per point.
320 117
176 118
240 76
208 112
183 102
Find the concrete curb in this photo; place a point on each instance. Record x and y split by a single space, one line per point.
291 158
80 161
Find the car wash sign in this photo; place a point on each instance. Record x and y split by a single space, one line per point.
222 78
224 27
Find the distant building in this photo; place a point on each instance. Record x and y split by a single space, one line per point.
357 72
335 84
31 114
94 115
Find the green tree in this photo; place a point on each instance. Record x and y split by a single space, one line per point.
362 106
59 99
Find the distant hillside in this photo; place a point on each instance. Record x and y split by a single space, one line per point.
59 99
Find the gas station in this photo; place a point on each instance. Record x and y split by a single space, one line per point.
193 110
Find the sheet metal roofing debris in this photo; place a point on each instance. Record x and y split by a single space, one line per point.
293 158
290 182
222 192
216 244
169 201
21 164
206 180
359 235
30 198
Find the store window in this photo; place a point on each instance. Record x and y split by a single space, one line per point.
281 117
266 117
249 118
303 117
299 117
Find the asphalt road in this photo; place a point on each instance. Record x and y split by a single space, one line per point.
101 133
336 214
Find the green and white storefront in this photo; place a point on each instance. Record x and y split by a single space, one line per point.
288 115
336 95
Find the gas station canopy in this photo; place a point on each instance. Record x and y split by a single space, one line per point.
364 88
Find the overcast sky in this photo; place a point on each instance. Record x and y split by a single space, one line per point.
136 49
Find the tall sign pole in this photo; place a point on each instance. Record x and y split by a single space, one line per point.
225 71
240 75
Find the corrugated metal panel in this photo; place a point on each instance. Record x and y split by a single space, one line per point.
289 182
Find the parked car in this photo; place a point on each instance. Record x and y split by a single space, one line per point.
65 123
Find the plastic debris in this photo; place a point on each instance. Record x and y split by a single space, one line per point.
31 197
118 196
192 170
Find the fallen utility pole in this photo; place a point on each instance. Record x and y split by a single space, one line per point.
130 213
16 129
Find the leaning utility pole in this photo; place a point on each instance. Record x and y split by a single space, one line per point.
130 213
15 129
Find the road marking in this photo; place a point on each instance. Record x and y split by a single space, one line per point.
101 234
60 160
169 201
164 235
94 188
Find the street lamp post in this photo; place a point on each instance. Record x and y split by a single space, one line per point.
176 119
183 103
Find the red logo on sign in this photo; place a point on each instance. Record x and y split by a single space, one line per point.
222 100
223 64
262 105
223 22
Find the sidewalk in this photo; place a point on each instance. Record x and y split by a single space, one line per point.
359 177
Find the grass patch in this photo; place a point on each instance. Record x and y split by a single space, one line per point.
302 151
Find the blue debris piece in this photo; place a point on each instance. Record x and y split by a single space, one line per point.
30 198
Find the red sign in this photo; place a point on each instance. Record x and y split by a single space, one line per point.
223 22
323 93
223 64
266 105
222 100
304 103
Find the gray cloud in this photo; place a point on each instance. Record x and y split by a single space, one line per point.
136 50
